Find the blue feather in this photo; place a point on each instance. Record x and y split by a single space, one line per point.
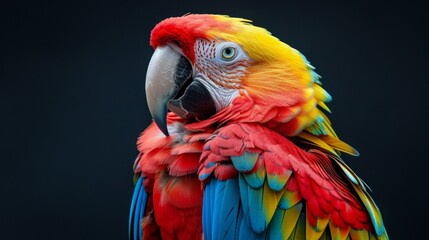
222 212
138 205
133 203
230 210
256 179
136 220
208 209
246 232
277 182
276 225
141 213
203 177
256 207
245 162
243 193
217 205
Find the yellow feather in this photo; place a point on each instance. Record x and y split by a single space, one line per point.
372 209
278 73
317 142
309 106
309 93
339 145
324 106
338 233
325 118
320 93
315 233
282 75
359 234
278 64
372 236
290 219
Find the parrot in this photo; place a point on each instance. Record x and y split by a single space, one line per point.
240 146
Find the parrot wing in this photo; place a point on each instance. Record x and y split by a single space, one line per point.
141 210
260 185
137 210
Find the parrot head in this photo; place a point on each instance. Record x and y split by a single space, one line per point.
209 68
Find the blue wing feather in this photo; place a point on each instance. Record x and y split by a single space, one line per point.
230 211
219 187
208 209
138 205
141 212
224 197
133 203
246 231
234 209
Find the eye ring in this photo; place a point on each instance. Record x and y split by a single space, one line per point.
229 53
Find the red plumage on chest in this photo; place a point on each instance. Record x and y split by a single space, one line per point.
169 166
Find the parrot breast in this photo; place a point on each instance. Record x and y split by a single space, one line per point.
170 166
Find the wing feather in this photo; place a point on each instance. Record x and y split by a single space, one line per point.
284 222
282 191
299 231
137 211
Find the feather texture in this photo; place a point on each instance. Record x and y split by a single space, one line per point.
309 178
138 204
222 209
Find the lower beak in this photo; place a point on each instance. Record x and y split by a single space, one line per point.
167 73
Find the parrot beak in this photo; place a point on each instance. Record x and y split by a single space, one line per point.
168 71
170 85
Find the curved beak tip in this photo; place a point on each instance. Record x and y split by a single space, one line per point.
161 84
161 122
169 85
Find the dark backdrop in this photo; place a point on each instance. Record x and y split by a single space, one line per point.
73 103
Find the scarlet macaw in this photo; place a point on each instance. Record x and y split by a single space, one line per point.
240 147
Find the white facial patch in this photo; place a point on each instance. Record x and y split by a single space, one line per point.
220 66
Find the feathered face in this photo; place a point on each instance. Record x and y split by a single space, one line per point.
214 80
202 63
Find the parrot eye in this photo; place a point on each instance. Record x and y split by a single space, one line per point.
228 53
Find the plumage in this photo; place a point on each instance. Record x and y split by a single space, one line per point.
245 162
289 199
225 210
246 151
299 231
138 204
338 233
284 221
317 230
256 177
359 234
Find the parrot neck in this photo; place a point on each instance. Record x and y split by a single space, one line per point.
244 109
289 121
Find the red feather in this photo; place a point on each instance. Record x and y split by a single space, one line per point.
185 31
170 166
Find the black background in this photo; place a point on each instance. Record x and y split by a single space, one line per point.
73 103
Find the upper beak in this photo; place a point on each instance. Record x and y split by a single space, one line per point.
167 73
